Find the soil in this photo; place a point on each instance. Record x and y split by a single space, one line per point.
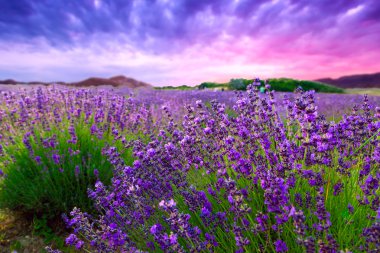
17 234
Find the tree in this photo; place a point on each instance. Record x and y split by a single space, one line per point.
237 84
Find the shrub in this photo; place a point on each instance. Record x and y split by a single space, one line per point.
52 144
242 183
277 84
211 85
289 85
50 174
237 84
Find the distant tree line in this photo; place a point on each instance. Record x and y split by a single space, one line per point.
278 84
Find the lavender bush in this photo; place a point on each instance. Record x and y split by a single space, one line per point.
254 181
190 173
52 142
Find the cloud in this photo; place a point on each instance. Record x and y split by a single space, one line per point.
73 22
168 38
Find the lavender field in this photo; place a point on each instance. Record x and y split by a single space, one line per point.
193 171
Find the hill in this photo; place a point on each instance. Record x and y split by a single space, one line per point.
116 81
8 81
354 81
130 82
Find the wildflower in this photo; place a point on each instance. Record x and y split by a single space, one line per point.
207 130
71 239
155 228
173 239
230 199
79 244
205 212
350 208
280 246
56 158
37 159
151 152
77 171
94 129
337 188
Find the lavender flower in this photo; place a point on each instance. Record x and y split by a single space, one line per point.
280 246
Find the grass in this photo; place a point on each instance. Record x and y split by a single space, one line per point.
362 91
345 226
50 188
182 87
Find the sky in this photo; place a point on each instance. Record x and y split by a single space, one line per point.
186 42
